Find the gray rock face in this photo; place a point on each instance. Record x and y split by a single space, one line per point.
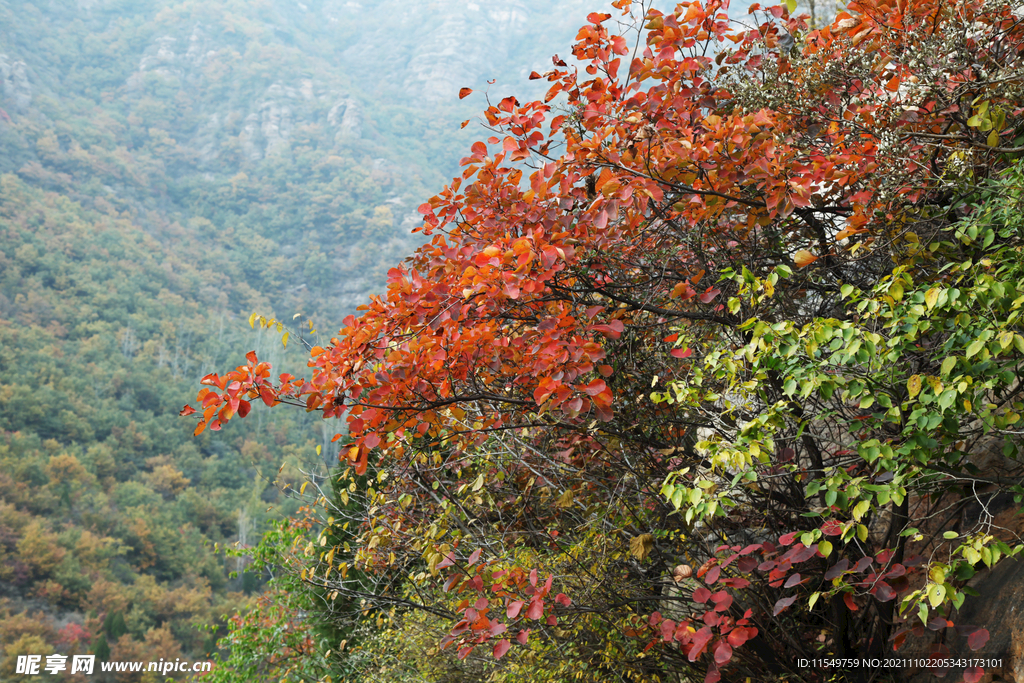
167 57
459 44
347 116
17 89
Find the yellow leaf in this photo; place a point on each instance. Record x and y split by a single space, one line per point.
284 339
640 546
252 321
825 548
914 385
930 297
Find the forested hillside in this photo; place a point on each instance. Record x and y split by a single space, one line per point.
166 169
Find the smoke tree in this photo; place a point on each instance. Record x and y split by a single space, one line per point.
710 363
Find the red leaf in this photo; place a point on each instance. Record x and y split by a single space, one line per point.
712 575
723 653
787 539
722 601
612 330
709 296
741 634
522 637
792 580
243 408
513 608
501 648
782 604
473 557
848 599
464 93
595 387
187 410
464 652
701 595
977 640
974 674
251 357
681 353
267 394
700 640
563 599
536 610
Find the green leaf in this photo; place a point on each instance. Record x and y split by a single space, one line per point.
947 365
936 594
974 347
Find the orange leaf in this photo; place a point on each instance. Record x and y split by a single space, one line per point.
187 410
894 83
804 258
464 93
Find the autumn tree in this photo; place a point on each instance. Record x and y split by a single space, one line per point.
707 367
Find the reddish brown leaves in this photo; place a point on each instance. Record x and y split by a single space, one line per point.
977 639
465 92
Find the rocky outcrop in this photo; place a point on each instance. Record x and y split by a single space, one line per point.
459 44
166 57
347 117
17 89
267 130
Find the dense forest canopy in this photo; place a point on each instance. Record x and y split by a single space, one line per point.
166 169
708 369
